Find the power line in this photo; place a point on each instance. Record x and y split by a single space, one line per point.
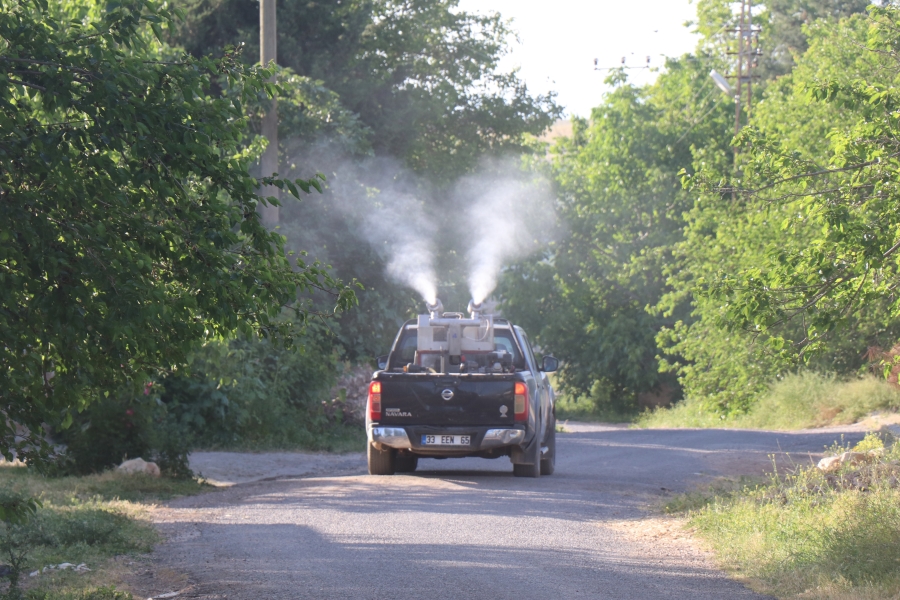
700 118
621 66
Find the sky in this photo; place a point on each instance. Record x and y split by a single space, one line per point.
559 41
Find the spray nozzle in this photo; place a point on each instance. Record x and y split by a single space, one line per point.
475 308
436 309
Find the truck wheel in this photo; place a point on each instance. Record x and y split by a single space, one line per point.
381 462
405 463
532 470
548 460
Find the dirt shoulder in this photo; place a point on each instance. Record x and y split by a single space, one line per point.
224 469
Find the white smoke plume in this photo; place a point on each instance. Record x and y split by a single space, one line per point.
510 214
382 202
498 215
408 235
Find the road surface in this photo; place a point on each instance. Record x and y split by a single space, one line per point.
466 528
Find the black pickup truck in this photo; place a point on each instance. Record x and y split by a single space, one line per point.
454 387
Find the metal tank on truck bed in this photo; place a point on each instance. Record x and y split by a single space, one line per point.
454 386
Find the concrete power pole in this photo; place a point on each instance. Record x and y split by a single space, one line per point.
268 52
748 53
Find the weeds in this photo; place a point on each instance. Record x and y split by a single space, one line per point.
16 513
720 489
101 593
77 520
798 401
810 534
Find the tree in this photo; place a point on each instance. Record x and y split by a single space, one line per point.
621 202
835 264
422 79
784 23
421 74
782 28
624 291
760 244
130 227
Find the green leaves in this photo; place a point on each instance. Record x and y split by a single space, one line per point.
421 79
620 182
136 234
17 509
792 257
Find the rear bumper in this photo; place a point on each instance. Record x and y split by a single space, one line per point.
410 437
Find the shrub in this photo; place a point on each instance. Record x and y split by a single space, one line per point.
16 512
85 525
108 432
125 426
238 393
813 400
252 392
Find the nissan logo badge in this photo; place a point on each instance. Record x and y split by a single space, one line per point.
447 394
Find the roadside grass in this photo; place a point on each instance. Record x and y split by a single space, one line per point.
796 402
808 534
86 520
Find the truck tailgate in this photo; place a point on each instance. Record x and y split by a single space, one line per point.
447 400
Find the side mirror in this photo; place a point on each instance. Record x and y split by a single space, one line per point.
549 364
382 362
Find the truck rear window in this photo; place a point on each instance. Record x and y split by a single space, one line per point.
405 351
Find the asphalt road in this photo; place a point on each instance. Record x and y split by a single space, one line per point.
467 528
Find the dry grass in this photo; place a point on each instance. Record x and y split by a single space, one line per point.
796 402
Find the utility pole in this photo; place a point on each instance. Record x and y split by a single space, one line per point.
748 53
268 52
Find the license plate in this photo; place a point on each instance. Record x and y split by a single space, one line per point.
446 440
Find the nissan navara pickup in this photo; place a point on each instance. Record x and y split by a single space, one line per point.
455 386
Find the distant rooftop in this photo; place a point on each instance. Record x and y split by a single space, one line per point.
562 128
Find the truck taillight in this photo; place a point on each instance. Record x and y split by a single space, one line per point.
375 401
521 402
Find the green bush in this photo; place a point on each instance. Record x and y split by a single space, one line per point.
121 427
254 393
598 405
34 534
236 394
242 393
17 509
86 519
109 431
77 532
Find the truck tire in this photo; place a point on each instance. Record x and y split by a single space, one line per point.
548 460
381 462
405 463
532 470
